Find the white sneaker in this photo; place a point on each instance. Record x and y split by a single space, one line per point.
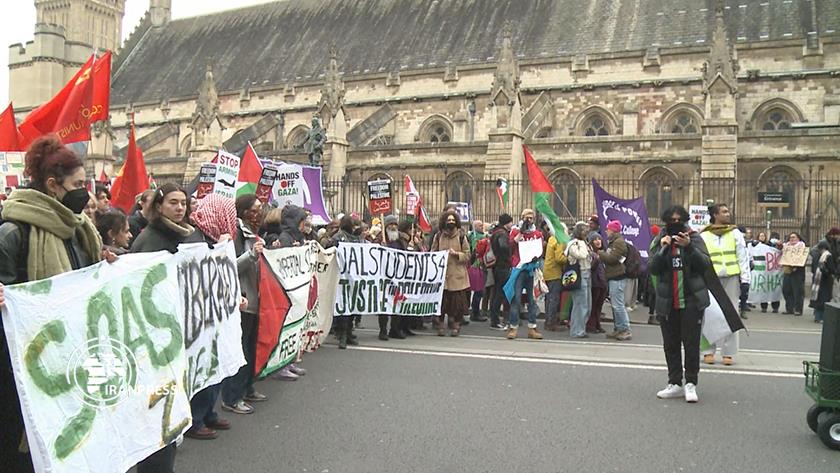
690 393
672 391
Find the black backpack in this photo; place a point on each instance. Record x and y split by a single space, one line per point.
633 262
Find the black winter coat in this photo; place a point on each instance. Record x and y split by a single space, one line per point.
696 262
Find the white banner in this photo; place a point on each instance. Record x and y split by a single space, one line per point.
99 362
766 276
227 173
212 328
698 217
376 280
303 280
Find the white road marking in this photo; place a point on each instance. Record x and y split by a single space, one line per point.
552 361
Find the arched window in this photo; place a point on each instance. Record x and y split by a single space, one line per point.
459 187
776 114
776 119
784 181
184 149
297 137
435 130
439 134
684 123
595 121
566 188
596 126
657 187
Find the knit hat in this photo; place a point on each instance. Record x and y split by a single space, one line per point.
505 219
527 212
614 226
391 220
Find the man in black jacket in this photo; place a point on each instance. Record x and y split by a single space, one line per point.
681 297
500 245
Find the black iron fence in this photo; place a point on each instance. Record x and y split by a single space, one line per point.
810 207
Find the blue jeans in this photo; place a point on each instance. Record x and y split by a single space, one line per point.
620 317
202 405
524 280
581 305
552 300
818 314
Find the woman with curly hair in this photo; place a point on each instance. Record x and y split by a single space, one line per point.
455 304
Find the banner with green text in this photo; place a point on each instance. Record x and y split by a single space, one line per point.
377 280
99 362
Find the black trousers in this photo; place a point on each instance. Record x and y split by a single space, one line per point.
396 323
793 290
681 330
500 277
11 419
162 461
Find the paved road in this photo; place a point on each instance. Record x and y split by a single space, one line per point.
419 406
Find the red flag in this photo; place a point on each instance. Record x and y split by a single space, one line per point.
103 177
414 205
274 307
81 102
539 183
9 134
132 179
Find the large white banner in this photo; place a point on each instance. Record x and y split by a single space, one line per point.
766 276
99 362
376 280
106 357
212 328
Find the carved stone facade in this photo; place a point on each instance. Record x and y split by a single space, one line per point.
714 98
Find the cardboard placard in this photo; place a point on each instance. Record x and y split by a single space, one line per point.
794 255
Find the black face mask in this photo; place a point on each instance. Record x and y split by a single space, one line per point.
357 231
76 200
450 225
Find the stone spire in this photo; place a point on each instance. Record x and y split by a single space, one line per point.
722 63
332 93
206 106
506 78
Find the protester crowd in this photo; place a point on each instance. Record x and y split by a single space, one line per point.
493 274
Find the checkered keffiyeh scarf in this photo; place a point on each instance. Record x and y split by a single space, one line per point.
215 216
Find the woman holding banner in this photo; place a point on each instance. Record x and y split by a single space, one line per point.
793 281
456 287
168 227
44 234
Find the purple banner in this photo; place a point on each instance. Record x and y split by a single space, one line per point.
312 176
632 214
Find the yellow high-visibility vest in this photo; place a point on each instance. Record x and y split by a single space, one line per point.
723 255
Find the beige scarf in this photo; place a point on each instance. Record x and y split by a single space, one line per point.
51 224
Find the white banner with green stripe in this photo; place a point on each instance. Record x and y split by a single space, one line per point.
766 276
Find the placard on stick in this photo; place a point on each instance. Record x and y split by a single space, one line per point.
379 193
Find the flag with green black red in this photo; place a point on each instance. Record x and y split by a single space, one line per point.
543 194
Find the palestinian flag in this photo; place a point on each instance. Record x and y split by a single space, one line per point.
152 182
502 191
250 171
274 307
543 192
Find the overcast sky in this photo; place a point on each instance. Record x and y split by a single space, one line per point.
17 24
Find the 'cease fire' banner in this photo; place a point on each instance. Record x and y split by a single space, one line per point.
376 280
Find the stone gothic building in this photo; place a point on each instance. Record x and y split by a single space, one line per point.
685 100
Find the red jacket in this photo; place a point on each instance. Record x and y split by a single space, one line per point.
514 245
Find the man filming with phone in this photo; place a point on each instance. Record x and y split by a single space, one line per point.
681 297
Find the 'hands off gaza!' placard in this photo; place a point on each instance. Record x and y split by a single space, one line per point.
376 280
